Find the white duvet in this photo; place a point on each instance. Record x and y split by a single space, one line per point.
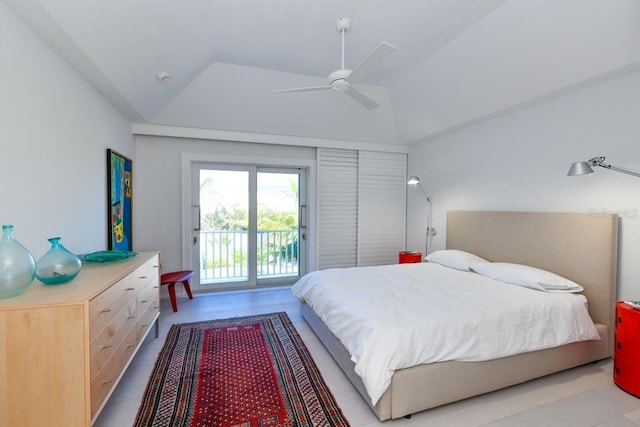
397 316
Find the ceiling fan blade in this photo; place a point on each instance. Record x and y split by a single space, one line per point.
301 89
366 102
371 62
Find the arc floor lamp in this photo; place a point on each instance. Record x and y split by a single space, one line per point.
431 231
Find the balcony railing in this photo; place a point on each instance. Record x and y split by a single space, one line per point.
223 255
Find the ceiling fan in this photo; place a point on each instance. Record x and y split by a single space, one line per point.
343 80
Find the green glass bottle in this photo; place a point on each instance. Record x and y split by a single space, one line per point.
58 265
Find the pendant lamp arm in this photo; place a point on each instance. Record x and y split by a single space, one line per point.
599 161
623 170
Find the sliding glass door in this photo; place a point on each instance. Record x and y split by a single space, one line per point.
248 225
222 232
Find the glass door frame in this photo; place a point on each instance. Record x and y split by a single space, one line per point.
190 161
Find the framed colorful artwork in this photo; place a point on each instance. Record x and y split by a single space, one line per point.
119 194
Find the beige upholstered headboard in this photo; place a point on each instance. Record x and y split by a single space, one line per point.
579 246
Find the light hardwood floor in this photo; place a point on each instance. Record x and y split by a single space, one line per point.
584 396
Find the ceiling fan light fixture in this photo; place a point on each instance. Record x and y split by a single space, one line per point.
341 85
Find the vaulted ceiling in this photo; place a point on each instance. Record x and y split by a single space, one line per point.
458 61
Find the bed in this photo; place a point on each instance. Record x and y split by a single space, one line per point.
581 247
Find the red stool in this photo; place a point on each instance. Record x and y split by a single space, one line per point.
171 279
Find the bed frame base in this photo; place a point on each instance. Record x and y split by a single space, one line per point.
455 381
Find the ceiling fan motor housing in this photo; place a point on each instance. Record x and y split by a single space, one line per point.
338 82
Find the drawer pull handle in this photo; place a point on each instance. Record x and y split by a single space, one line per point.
104 347
143 326
131 289
131 345
144 301
106 310
107 381
155 287
131 317
143 277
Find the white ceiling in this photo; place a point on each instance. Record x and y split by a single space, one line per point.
458 61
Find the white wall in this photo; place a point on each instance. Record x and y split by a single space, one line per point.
519 161
54 131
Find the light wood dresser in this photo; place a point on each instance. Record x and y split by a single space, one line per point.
63 348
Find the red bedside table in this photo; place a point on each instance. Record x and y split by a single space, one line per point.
626 354
409 257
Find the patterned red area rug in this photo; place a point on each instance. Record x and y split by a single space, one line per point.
238 372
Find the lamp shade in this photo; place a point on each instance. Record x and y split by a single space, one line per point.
413 180
580 168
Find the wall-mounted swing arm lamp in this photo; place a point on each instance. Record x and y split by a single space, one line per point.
585 168
431 231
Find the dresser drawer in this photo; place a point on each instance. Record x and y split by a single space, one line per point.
104 307
627 320
146 273
107 377
106 342
145 321
148 297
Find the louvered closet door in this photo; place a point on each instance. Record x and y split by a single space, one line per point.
361 207
337 208
382 207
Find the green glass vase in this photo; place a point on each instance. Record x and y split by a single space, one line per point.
58 265
17 265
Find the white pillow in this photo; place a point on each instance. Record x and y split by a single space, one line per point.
524 275
454 258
